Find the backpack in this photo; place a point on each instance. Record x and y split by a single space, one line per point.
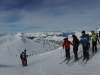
22 55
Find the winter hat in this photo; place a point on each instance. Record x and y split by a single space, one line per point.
25 50
65 38
92 31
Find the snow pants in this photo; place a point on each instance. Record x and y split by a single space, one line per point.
85 51
22 61
25 62
75 49
94 46
67 51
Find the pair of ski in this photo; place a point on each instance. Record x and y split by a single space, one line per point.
83 62
71 62
66 60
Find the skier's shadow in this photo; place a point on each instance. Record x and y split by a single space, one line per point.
90 55
3 66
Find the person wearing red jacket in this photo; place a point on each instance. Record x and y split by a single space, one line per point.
66 45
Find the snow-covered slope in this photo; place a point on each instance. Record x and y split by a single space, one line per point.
16 43
49 64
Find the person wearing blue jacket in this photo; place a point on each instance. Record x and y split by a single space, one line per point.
85 45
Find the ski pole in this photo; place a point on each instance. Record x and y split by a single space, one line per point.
81 49
61 53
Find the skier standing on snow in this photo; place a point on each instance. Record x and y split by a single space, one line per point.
85 45
23 57
66 46
76 43
94 41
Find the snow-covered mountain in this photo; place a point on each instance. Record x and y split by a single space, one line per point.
45 55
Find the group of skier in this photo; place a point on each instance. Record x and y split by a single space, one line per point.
84 41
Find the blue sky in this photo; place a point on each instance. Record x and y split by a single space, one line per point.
48 15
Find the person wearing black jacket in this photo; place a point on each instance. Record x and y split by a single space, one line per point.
23 58
76 43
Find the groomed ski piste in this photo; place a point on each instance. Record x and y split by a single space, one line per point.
42 61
